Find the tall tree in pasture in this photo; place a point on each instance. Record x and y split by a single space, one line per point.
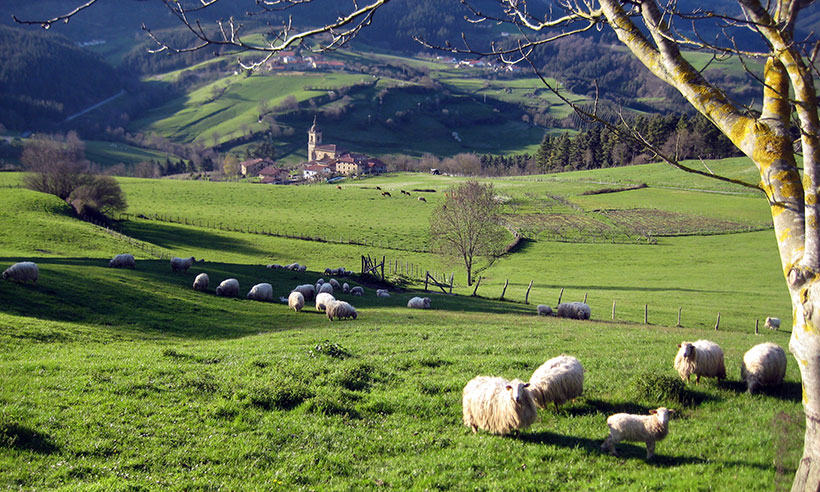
648 29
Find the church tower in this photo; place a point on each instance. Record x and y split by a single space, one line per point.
314 139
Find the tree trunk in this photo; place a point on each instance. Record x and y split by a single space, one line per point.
804 346
469 276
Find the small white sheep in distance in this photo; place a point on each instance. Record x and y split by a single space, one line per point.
308 291
322 300
345 287
573 310
772 323
557 380
382 293
701 358
292 267
22 272
181 264
340 310
326 288
357 291
201 282
647 428
261 292
497 406
228 288
296 301
419 303
320 281
544 310
335 283
763 365
124 260
302 269
275 266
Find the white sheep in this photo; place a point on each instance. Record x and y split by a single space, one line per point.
340 310
497 406
307 290
326 288
322 300
302 269
320 281
201 282
228 288
544 310
335 283
22 272
296 301
261 292
275 266
345 287
292 267
647 428
419 303
181 264
357 291
382 293
573 310
124 260
557 380
701 358
763 365
772 323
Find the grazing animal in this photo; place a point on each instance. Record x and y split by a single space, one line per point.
379 188
340 310
322 300
307 290
422 199
181 264
228 288
701 358
345 287
261 292
357 290
274 266
647 428
326 287
296 301
763 365
335 283
557 380
382 293
544 310
338 187
573 310
386 193
772 323
124 260
201 282
22 272
419 303
497 406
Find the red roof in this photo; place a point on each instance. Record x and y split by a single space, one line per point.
272 171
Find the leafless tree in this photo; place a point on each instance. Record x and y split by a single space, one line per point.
56 164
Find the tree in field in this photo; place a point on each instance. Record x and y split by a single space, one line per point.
780 131
467 224
230 166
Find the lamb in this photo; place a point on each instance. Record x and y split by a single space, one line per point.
544 310
22 272
335 283
772 323
322 300
419 303
307 290
357 291
557 380
647 428
296 301
701 358
201 282
228 288
327 288
181 264
497 406
340 310
345 287
382 293
124 260
763 365
573 310
261 292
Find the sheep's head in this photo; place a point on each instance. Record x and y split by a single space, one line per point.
427 302
662 414
518 390
6 275
688 349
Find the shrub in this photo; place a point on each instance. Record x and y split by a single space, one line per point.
660 388
330 349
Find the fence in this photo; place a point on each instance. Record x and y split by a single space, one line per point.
146 247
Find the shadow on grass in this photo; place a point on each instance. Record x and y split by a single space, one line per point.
16 436
176 237
786 391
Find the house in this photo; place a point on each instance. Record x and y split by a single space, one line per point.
327 159
253 166
318 170
275 175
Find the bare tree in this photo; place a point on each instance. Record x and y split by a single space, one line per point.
467 224
55 163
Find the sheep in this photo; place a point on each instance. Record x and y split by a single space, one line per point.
557 380
419 303
228 288
497 406
274 266
647 428
340 310
382 293
322 300
701 358
261 292
307 290
772 323
201 282
296 301
335 283
386 193
22 272
763 365
327 287
544 310
181 264
422 199
292 267
573 310
357 291
302 269
124 260
328 271
345 287
320 281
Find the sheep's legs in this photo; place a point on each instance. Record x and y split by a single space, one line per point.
650 449
608 445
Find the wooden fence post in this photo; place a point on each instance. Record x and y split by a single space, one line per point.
613 310
527 296
426 278
476 285
560 295
585 297
646 314
452 276
506 283
757 323
679 310
717 323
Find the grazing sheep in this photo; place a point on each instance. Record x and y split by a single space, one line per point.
320 281
557 380
340 310
22 272
293 267
228 288
322 300
573 310
124 260
496 405
275 266
772 323
382 293
422 199
647 428
302 269
296 301
544 310
335 283
307 290
386 193
338 187
763 365
701 358
328 271
419 303
261 292
181 264
379 188
327 287
357 291
201 282
345 287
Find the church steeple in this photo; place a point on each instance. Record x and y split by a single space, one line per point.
314 139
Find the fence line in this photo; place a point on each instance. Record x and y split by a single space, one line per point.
146 247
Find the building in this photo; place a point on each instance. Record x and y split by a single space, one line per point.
274 175
328 159
253 166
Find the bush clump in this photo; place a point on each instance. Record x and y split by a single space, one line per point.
660 388
330 349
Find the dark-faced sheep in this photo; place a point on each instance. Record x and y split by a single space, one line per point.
497 406
701 358
181 264
201 282
228 288
22 272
